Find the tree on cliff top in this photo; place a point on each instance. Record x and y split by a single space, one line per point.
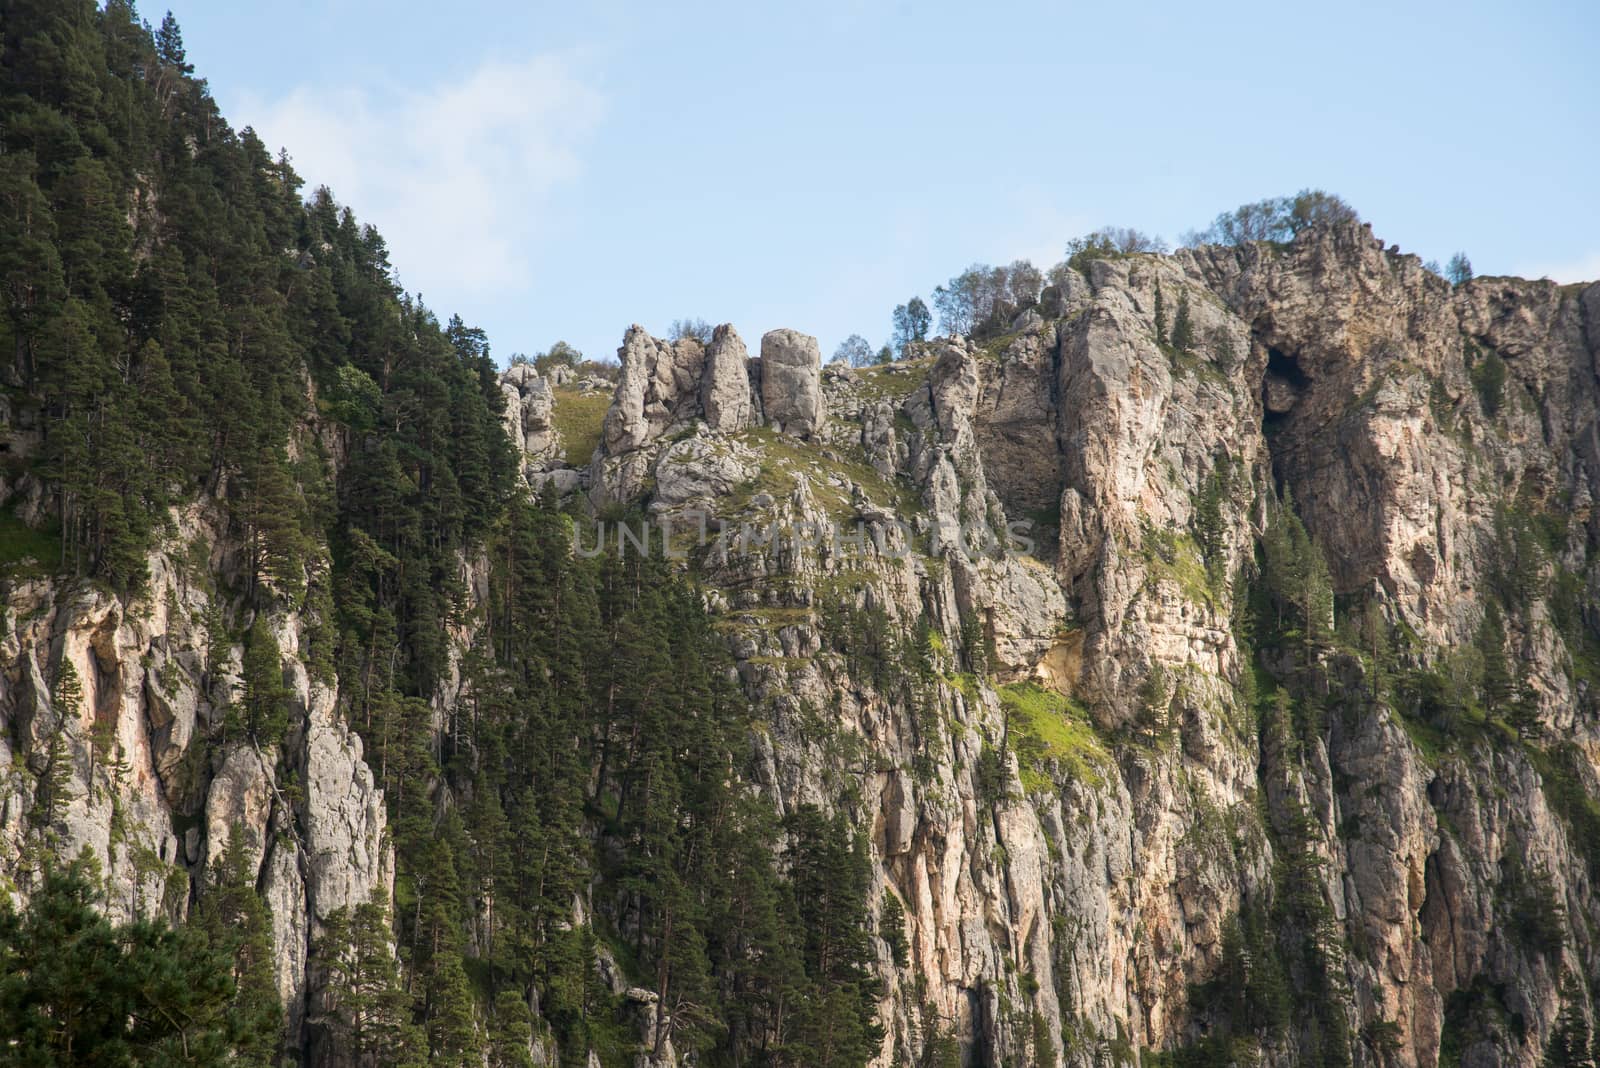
1274 219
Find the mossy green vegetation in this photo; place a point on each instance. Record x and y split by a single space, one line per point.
1487 370
604 748
1477 1012
892 382
994 348
1175 556
27 552
579 418
786 461
1052 735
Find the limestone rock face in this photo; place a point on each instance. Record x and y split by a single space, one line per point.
239 803
530 402
1060 525
537 404
342 814
154 695
701 469
791 382
725 388
1333 370
659 387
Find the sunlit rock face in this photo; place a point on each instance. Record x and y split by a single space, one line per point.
1085 798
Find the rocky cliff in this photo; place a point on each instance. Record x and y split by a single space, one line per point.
1009 606
151 786
1429 438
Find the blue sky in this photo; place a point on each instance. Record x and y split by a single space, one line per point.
562 171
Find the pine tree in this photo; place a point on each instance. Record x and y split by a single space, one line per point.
892 929
1183 326
1155 707
169 45
511 1034
447 1002
1498 684
838 1023
55 780
371 1011
1210 525
237 921
1296 574
270 506
1522 713
265 706
74 989
1160 317
1569 1042
31 281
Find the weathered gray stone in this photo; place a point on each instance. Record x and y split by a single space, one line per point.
701 468
658 388
791 382
238 805
725 389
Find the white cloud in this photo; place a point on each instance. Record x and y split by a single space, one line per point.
1583 269
452 174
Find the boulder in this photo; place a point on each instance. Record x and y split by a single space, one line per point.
702 469
791 382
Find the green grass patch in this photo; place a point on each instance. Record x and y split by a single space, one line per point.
786 460
1191 364
994 348
892 381
26 552
784 662
579 418
1052 733
767 619
1430 741
1174 556
966 682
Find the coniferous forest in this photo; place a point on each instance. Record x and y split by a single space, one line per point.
191 324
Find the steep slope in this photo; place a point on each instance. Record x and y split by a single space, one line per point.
1092 691
1398 782
217 409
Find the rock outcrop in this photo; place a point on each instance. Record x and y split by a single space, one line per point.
530 402
791 382
725 389
659 387
152 792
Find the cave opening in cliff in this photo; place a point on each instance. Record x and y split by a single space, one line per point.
1286 366
1281 387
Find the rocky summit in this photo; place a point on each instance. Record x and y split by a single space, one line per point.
1190 661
